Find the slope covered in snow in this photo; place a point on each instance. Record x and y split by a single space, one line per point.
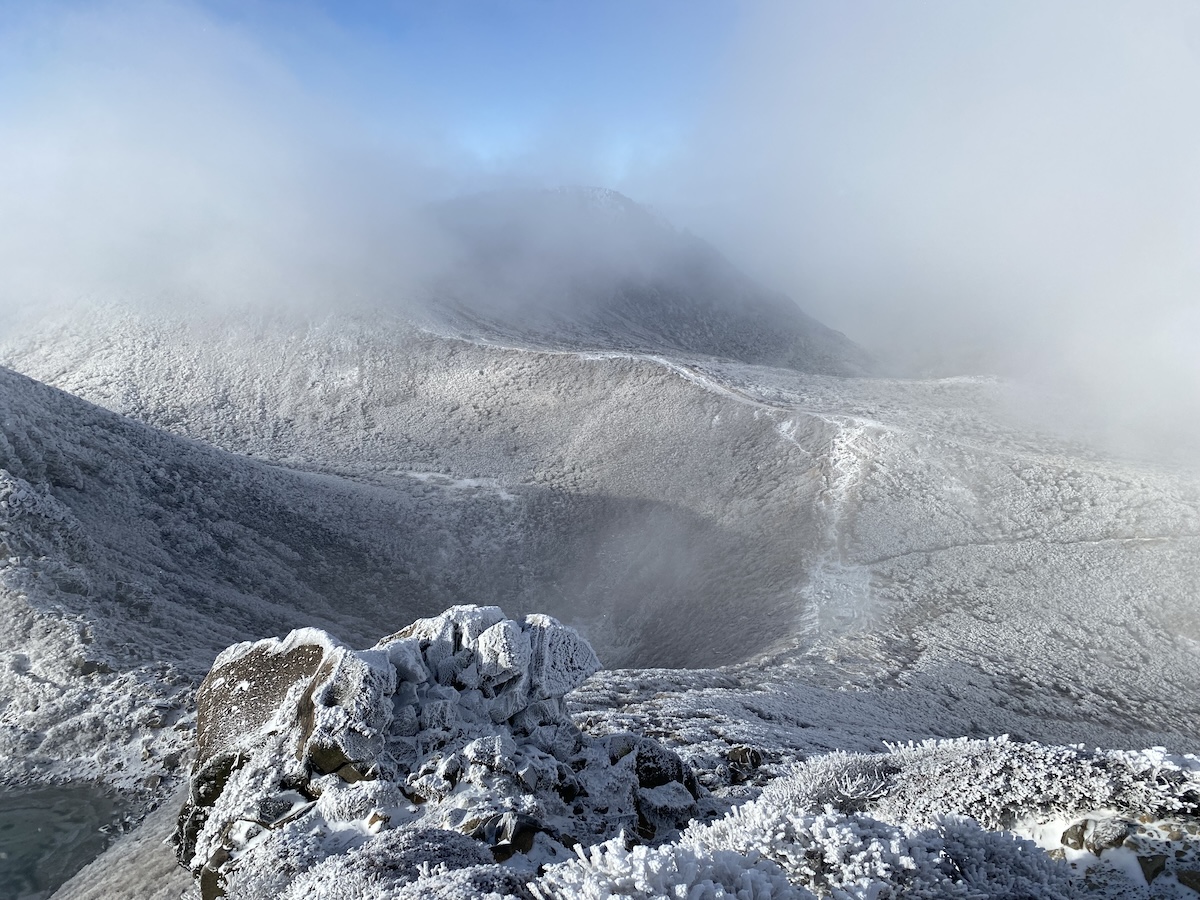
868 560
902 535
131 557
605 480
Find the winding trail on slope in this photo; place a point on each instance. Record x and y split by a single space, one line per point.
836 596
1018 541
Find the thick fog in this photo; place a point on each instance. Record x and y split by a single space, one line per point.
961 187
150 153
1005 187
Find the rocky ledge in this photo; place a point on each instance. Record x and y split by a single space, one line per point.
445 748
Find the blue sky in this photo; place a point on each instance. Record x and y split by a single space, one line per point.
494 80
500 75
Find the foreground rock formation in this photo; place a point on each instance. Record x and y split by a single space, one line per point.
447 744
442 764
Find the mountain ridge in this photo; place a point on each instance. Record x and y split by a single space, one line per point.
590 269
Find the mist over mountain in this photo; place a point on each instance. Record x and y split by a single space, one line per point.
587 268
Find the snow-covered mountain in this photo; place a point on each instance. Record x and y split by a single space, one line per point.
866 559
687 512
587 269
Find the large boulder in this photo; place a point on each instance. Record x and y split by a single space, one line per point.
456 726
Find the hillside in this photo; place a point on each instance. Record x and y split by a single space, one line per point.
887 534
871 560
774 560
590 269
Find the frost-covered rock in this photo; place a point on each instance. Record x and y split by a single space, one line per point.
321 768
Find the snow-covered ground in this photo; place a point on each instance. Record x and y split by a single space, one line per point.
441 763
828 564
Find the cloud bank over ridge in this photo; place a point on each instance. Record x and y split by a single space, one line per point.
961 188
1007 188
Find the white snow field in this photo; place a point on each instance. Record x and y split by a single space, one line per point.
830 595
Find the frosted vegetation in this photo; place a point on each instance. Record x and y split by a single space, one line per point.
796 580
442 762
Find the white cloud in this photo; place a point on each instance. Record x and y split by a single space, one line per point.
969 185
158 153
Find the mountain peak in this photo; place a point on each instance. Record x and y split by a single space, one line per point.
588 268
602 198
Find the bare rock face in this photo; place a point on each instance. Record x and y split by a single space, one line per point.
450 733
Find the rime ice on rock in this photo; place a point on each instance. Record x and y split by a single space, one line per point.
454 726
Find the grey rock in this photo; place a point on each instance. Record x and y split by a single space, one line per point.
1152 866
1189 878
236 699
1104 834
1073 836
